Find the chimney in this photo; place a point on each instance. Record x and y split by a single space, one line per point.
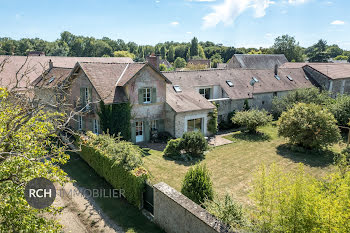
276 69
50 64
153 60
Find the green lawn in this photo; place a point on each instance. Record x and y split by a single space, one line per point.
124 214
232 166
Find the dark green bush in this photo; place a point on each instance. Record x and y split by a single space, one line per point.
173 148
341 109
164 136
309 126
119 162
197 184
194 143
252 119
212 124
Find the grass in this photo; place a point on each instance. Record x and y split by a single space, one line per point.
119 210
232 166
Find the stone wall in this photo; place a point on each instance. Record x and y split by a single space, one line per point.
182 118
175 213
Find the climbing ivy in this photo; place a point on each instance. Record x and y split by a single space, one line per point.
212 124
115 119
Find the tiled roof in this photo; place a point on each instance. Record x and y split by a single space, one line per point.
240 78
34 66
260 61
332 70
54 76
293 65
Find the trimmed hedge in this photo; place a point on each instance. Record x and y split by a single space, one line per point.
107 166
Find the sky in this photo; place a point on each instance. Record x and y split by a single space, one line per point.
238 23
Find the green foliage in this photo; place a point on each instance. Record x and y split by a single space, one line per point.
297 202
124 54
227 210
309 126
317 52
173 148
194 143
115 119
252 119
213 121
341 109
180 62
334 51
288 46
29 149
197 184
307 95
163 52
119 162
194 47
171 54
215 59
341 57
246 106
162 67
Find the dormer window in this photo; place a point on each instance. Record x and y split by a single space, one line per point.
289 77
177 88
229 83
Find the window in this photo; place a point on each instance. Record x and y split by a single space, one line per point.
51 79
306 77
255 79
139 130
194 125
277 77
263 102
147 95
289 77
229 83
154 125
177 88
96 126
275 94
205 92
86 94
80 122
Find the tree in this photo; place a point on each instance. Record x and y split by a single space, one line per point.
102 48
287 45
162 67
309 125
124 54
194 143
194 47
171 54
163 52
341 57
306 95
340 108
252 119
317 52
334 51
201 53
215 59
180 63
59 48
197 184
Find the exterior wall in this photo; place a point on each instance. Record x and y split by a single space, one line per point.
169 124
175 213
74 96
182 118
48 95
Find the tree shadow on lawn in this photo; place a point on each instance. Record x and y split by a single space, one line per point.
312 158
188 163
251 137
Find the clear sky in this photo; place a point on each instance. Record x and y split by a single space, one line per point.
248 23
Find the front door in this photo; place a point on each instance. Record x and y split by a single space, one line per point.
139 131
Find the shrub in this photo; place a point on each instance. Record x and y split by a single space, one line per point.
197 184
119 162
213 121
173 148
179 62
162 67
307 95
227 210
194 143
252 119
309 126
298 202
246 106
341 109
164 136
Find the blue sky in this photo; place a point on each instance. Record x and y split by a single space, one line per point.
248 23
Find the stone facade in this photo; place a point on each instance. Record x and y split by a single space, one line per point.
175 213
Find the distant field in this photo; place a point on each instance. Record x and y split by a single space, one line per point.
232 166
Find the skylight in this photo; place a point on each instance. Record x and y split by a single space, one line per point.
289 77
51 79
306 77
255 79
277 77
229 83
177 88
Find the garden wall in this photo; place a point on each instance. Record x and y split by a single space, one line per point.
175 213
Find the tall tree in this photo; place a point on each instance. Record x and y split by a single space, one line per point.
194 47
288 46
163 52
317 52
171 54
201 53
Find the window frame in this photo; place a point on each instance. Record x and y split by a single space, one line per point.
96 126
154 123
205 90
80 122
194 124
147 91
138 126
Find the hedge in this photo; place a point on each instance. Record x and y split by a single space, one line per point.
132 182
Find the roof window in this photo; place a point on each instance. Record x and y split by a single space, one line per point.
229 82
306 77
253 81
51 79
289 77
277 77
177 88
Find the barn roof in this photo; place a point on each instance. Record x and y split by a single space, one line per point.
332 70
260 61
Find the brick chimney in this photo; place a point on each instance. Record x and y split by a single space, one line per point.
153 60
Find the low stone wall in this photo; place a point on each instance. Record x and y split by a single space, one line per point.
175 213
